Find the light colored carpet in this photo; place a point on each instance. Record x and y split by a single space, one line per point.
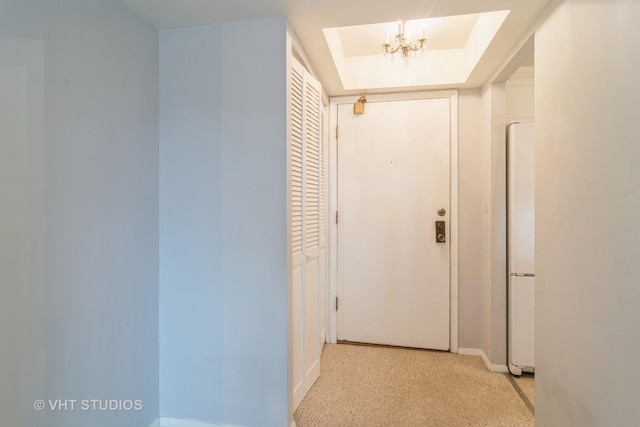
379 386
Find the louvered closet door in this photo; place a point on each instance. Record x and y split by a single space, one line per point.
297 243
308 199
312 130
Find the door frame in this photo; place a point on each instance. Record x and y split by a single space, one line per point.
332 335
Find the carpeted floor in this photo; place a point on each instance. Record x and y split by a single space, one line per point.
380 386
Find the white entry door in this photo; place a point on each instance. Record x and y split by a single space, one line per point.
393 178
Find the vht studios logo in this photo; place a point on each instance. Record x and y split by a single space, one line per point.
88 405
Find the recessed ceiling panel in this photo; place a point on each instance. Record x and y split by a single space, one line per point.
454 46
450 32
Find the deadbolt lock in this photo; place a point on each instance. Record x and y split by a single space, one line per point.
442 212
441 235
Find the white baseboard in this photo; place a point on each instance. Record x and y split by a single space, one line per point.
485 359
470 351
156 423
175 422
491 367
293 424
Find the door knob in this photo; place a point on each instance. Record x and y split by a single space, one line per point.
441 234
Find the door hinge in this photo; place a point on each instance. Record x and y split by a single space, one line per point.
337 217
337 132
336 303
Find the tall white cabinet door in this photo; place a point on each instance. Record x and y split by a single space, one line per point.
308 228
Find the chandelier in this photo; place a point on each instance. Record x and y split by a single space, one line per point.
403 44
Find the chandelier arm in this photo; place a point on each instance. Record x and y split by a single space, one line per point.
392 51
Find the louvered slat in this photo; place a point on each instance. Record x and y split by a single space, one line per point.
297 170
323 187
312 167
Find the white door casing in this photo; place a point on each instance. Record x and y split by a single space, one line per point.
403 236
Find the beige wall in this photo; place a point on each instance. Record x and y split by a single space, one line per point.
587 210
519 92
493 226
469 208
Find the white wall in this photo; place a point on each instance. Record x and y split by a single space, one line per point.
21 261
587 210
78 219
519 95
469 218
223 264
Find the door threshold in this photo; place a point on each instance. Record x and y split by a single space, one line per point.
367 344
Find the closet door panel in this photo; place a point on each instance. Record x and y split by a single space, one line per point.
312 134
308 227
296 207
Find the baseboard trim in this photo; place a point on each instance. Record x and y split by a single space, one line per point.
156 423
293 424
490 366
485 359
176 422
470 351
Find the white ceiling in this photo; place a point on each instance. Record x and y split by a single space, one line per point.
309 18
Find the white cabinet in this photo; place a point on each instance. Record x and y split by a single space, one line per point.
307 218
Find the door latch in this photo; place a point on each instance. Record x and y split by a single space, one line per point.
441 234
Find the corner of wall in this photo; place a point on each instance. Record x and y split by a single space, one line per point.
493 226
